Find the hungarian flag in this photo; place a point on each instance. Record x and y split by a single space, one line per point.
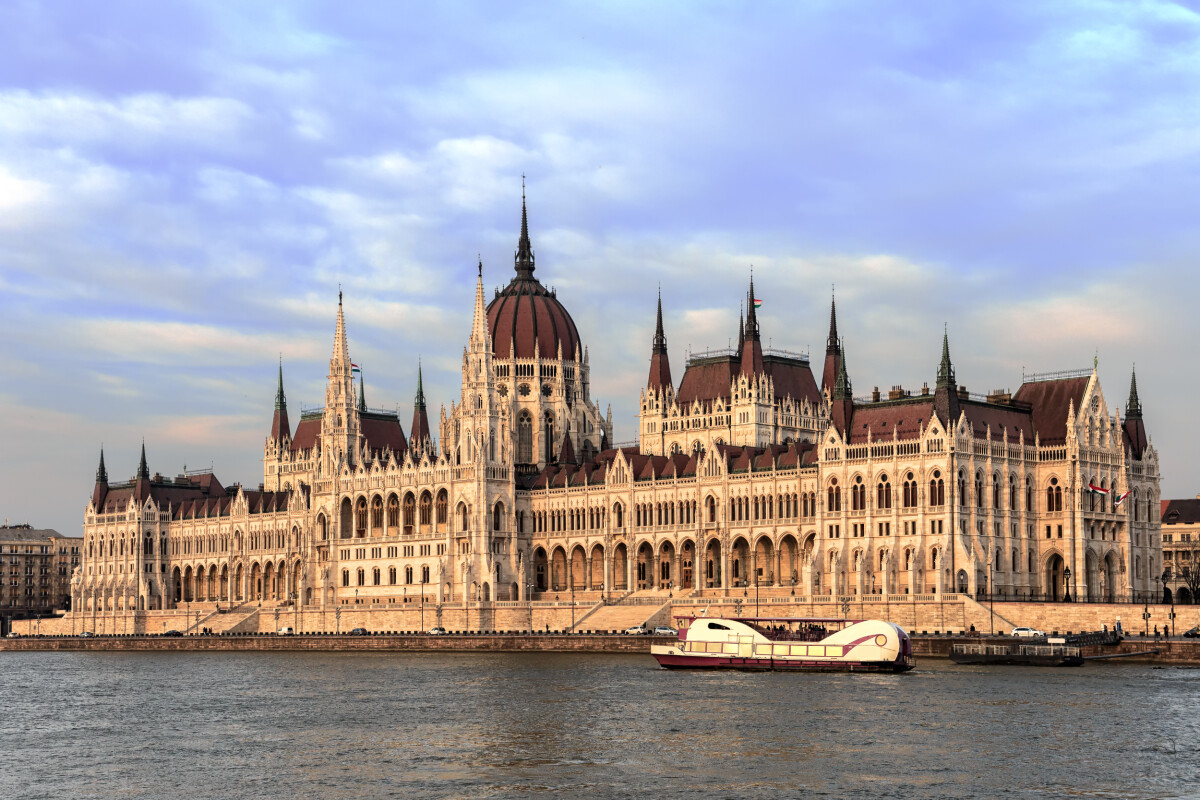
1120 499
355 368
757 303
1096 489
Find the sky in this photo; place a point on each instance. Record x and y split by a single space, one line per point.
185 186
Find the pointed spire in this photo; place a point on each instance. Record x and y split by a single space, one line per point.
143 470
833 352
280 426
751 314
524 257
945 377
660 365
1133 409
100 491
280 400
419 436
831 343
842 390
660 338
362 394
341 349
479 321
566 454
741 332
751 349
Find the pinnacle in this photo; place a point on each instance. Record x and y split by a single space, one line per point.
143 470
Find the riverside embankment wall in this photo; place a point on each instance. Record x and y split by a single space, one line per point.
1175 652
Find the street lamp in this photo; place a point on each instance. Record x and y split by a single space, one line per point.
422 610
529 599
1067 583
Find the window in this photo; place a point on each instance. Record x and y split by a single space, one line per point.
937 490
393 512
1053 496
391 576
883 493
345 577
858 495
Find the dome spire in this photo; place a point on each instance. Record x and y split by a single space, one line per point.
1133 409
524 258
143 470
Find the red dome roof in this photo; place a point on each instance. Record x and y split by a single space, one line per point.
525 313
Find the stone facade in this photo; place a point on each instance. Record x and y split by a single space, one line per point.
1181 550
746 474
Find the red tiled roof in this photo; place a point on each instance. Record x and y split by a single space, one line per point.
712 378
307 433
382 431
883 419
1005 422
1051 401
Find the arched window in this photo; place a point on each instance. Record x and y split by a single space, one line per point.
995 490
883 493
979 490
463 516
1012 492
426 508
377 513
962 488
1029 494
619 514
441 507
1054 496
393 512
937 489
548 433
361 575
525 439
858 494
345 577
375 576
391 576
360 517
497 516
408 575
410 513
835 496
910 491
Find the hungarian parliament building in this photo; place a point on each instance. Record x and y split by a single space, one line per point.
747 472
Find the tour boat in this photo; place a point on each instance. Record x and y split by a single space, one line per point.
768 643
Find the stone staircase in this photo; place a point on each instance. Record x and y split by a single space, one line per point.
647 609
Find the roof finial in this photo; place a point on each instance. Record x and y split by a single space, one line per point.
101 473
480 255
339 293
280 400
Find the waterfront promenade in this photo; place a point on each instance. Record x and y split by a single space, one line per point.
1176 651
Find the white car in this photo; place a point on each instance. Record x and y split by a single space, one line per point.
1027 632
636 630
665 630
436 631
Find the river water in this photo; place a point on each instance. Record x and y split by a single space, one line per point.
351 725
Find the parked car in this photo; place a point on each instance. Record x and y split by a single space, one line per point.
637 630
86 635
437 631
13 635
358 632
1027 632
286 631
665 630
172 633
1193 633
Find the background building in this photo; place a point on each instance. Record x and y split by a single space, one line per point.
1181 550
36 567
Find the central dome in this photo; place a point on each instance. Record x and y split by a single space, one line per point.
526 314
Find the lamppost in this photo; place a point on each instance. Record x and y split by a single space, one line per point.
572 606
1157 593
529 599
1146 619
1067 584
337 618
1172 616
991 598
422 610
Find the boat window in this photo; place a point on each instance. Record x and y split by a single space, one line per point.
714 626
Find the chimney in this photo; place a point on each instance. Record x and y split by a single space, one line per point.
875 395
1001 396
925 389
896 393
963 394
